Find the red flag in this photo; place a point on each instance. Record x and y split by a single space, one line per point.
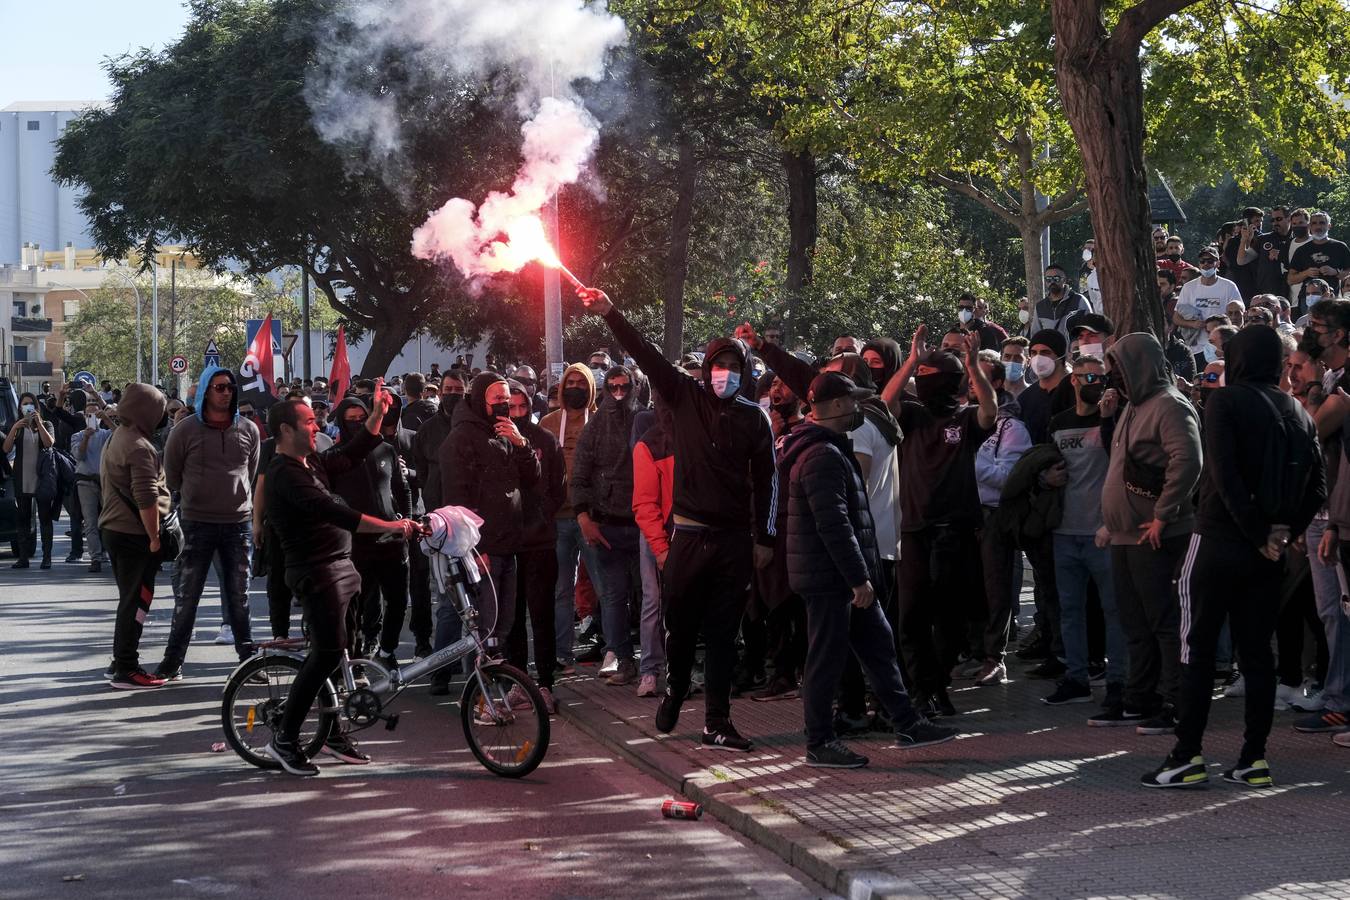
341 376
259 355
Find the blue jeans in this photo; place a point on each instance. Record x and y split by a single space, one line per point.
449 628
202 542
617 586
1078 558
570 546
652 630
1327 590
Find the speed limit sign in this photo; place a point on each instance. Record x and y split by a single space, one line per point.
178 365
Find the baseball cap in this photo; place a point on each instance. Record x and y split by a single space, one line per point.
833 385
1093 322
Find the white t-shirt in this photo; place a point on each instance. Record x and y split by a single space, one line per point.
1294 289
1201 301
882 487
1094 292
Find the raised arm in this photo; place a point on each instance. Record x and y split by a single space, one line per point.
984 391
895 388
667 380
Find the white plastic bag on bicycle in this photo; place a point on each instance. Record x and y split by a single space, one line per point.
454 532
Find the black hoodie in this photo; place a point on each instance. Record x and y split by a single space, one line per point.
602 468
375 487
1237 425
486 473
724 459
427 449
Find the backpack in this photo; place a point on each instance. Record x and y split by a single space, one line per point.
1291 453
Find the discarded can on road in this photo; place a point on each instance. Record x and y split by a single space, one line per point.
681 809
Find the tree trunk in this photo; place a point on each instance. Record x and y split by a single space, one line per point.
387 340
803 226
1032 263
677 256
1102 90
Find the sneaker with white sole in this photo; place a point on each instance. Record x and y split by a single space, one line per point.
923 733
1286 695
647 686
1256 774
226 635
136 680
1069 691
1177 773
834 755
726 737
990 674
289 756
1342 739
625 673
609 666
1312 701
1325 722
341 747
1237 689
550 702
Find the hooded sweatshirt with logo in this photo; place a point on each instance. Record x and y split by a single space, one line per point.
130 469
1158 430
213 467
724 449
566 425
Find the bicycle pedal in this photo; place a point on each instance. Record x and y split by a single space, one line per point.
390 723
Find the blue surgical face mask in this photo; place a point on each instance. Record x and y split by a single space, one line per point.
1210 272
1312 299
725 383
1015 370
1211 354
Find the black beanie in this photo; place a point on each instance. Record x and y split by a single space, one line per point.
1051 338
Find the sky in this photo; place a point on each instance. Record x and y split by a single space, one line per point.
55 51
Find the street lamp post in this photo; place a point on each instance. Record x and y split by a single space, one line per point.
131 281
154 323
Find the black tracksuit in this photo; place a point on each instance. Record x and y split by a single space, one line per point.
537 569
1224 575
725 480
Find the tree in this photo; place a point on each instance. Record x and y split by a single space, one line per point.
210 142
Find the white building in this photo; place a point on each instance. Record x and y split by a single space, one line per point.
34 209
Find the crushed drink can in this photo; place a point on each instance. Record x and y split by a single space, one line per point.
681 809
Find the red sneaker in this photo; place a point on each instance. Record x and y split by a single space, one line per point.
137 680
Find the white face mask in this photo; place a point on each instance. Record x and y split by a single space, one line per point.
1097 350
1043 366
1024 316
1312 299
1210 272
1087 255
965 316
29 409
725 383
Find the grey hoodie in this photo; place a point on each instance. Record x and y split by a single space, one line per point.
1159 428
213 468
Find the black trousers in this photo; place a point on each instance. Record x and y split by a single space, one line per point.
704 586
384 594
1041 555
329 595
47 513
1150 617
72 503
938 573
997 554
1224 579
786 626
419 595
537 578
279 595
134 568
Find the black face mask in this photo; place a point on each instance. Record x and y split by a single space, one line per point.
1092 393
351 429
878 376
1300 231
449 402
1116 383
500 410
938 391
520 421
1174 256
575 397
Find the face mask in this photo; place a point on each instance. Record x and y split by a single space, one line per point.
1174 256
29 409
1300 231
1210 353
351 429
1210 272
938 391
1044 366
1312 299
575 397
91 421
1116 383
500 410
1318 235
1015 370
1024 316
1092 393
878 376
520 420
1087 256
965 315
725 383
1097 350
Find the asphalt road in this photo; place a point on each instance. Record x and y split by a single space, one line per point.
105 794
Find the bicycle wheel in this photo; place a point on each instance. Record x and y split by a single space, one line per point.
251 712
507 729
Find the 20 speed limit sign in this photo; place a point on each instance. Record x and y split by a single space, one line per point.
178 365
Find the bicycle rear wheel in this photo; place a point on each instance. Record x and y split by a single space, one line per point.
251 712
507 729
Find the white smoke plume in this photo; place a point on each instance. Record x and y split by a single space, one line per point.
547 45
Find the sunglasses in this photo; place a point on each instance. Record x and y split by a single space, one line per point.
1054 279
1091 378
1211 377
618 388
225 388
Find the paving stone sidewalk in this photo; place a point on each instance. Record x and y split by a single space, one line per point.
1031 802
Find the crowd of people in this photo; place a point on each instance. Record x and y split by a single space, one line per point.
758 523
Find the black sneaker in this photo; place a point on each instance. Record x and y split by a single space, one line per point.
1097 673
1069 691
96 567
135 680
340 747
1177 773
943 704
46 563
834 755
668 713
422 650
74 557
109 672
21 564
1165 722
288 756
780 688
1050 668
1256 774
850 726
923 733
748 680
726 737
439 689
1115 717
168 673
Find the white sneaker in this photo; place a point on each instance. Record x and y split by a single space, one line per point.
1342 739
550 703
1237 688
1285 696
609 666
226 635
1309 702
647 686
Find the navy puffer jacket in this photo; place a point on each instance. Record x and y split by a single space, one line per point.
831 541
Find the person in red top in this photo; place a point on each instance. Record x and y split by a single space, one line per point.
653 500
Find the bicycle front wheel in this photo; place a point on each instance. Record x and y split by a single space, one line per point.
507 727
255 697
